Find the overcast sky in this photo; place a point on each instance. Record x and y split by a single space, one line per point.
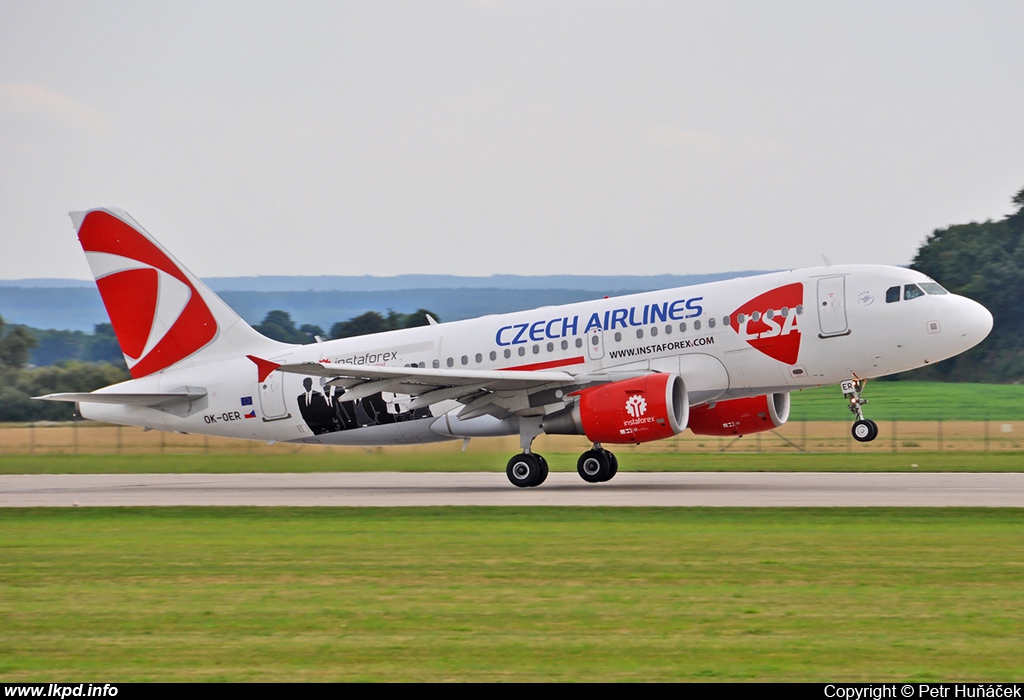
475 138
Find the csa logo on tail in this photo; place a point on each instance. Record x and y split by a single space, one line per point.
157 314
769 322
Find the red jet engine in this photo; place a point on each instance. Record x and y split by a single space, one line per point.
740 416
630 411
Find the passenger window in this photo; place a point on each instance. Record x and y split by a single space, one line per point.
892 294
912 291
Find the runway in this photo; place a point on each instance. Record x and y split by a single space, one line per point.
757 489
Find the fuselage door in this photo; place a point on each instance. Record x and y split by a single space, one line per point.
595 344
272 402
832 306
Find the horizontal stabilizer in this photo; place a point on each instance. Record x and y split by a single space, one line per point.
130 399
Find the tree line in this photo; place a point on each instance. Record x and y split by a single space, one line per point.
983 261
19 381
34 362
52 346
279 325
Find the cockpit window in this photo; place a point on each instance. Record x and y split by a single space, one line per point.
912 291
933 288
892 294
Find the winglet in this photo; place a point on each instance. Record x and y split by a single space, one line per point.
263 367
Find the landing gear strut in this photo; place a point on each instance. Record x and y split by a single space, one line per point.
529 468
597 465
863 430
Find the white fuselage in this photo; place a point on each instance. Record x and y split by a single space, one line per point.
729 339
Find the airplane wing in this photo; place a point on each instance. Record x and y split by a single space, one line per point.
497 392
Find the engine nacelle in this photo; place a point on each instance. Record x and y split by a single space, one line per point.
740 416
651 407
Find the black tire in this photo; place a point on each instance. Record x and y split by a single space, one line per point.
543 469
593 466
864 431
524 470
613 465
874 428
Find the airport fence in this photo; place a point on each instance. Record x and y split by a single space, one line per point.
794 437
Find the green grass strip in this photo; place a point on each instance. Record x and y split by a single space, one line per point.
495 462
501 594
915 401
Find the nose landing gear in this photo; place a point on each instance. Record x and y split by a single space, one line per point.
863 430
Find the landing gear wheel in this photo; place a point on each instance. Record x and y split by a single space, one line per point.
613 465
543 469
864 430
526 470
594 466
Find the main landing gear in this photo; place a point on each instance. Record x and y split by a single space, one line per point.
863 430
527 469
531 469
597 465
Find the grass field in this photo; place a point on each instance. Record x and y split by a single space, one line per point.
915 401
941 445
435 461
434 594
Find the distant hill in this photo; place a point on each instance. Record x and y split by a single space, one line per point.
76 304
366 283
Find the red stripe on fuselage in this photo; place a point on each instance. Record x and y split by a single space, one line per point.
547 365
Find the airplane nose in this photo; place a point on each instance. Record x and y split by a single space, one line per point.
974 322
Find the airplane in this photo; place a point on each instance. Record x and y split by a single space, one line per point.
718 358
